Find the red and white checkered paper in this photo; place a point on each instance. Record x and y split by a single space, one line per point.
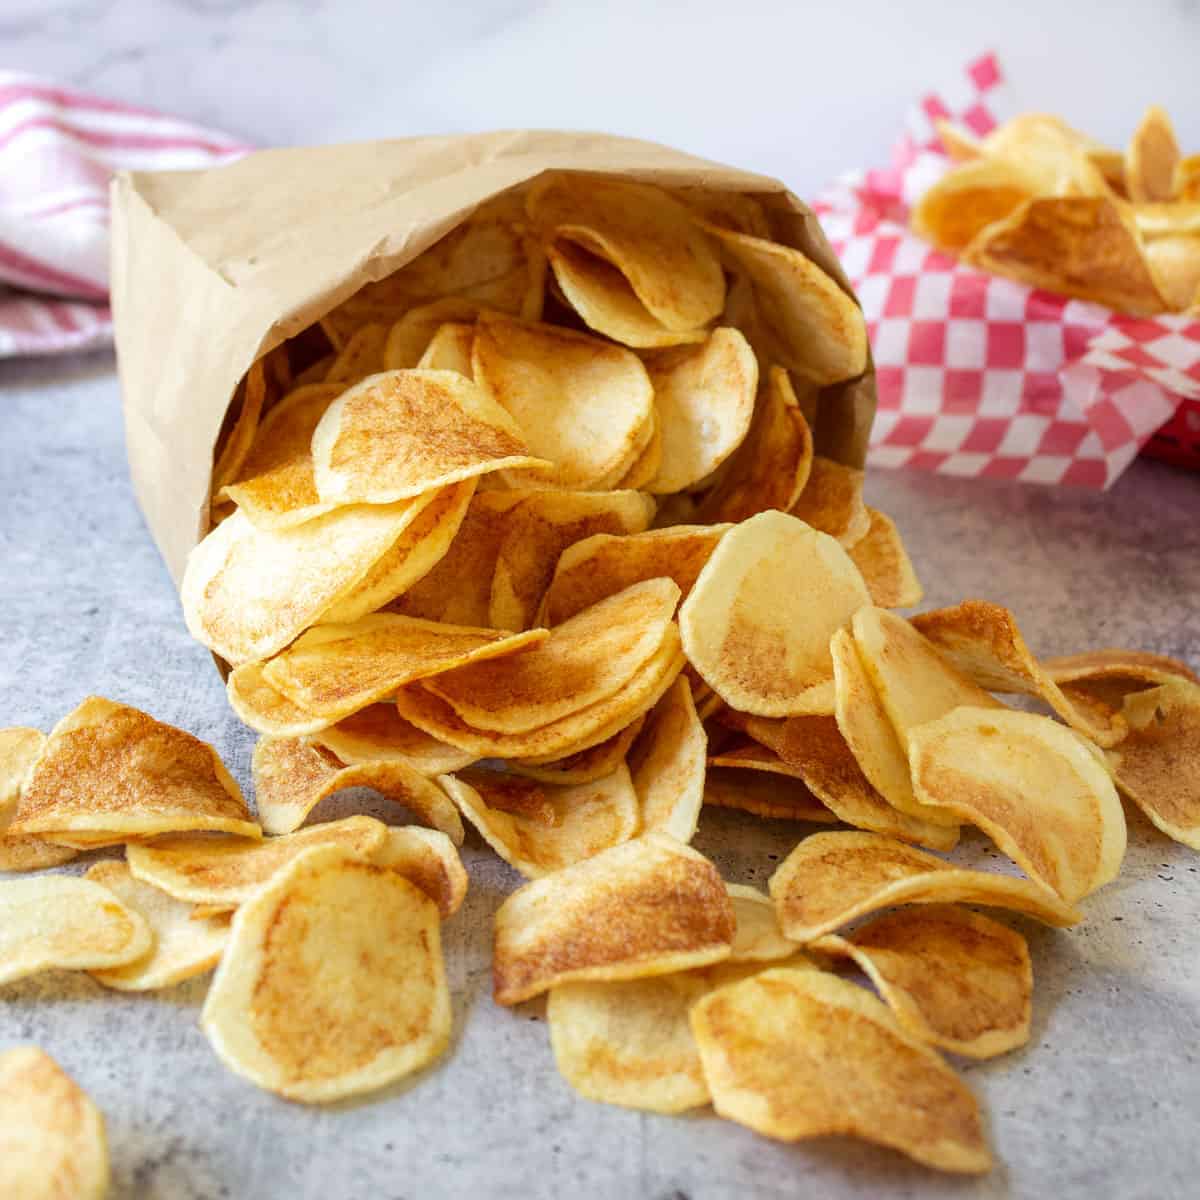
981 376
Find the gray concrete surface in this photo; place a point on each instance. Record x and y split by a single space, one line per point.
1104 1101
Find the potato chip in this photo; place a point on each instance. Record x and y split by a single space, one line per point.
1047 150
583 661
373 443
1175 262
668 765
539 828
410 337
1176 218
19 749
758 620
228 871
265 709
645 466
831 879
378 733
110 772
915 683
449 349
588 765
1032 786
1136 666
795 1053
32 854
361 356
582 404
62 922
965 201
772 465
52 1141
959 144
361 944
884 564
1187 179
291 778
734 782
758 938
951 977
1151 158
648 236
538 530
182 947
651 906
1083 246
1158 764
428 858
248 592
241 436
604 564
832 501
817 328
730 210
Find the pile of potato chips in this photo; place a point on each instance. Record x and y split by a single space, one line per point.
1047 205
567 582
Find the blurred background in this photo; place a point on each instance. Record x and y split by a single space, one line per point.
797 90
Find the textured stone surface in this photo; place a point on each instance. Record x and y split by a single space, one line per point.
1102 1102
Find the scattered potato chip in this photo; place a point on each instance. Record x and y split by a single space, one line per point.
378 733
32 854
832 502
539 828
360 357
411 336
831 879
965 201
588 765
668 765
292 777
752 779
1136 666
757 623
266 709
450 349
53 922
19 748
795 1053
1047 150
884 564
758 938
52 1141
1175 262
428 858
1152 157
1187 179
228 871
182 946
951 977
651 906
109 772
361 945
241 436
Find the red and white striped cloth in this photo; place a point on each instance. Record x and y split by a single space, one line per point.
58 149
982 376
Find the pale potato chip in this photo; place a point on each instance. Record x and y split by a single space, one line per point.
817 328
1136 666
1152 157
241 436
582 404
361 945
62 922
52 1141
1175 261
951 977
362 355
831 879
832 501
19 748
539 828
373 443
266 709
226 872
749 779
884 564
182 946
668 765
1032 786
796 1053
966 200
32 854
757 623
378 733
730 210
292 777
411 336
428 858
651 906
248 592
583 661
109 772
588 765
772 465
982 640
645 466
959 143
604 564
758 937
450 349
1048 151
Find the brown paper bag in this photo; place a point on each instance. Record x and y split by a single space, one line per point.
213 268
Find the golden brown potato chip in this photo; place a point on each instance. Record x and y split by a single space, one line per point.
668 764
832 501
831 879
225 872
583 661
951 977
817 328
588 765
62 922
757 623
1175 262
182 946
410 337
362 355
747 779
982 640
1049 152
651 906
884 564
1187 179
109 772
1136 666
959 144
795 1053
1033 787
1158 764
966 200
379 733
1152 157
772 465
538 827
1083 246
1173 219
266 709
373 444
361 945
582 404
241 436
52 1142
645 466
428 858
758 938
450 349
292 777
19 748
